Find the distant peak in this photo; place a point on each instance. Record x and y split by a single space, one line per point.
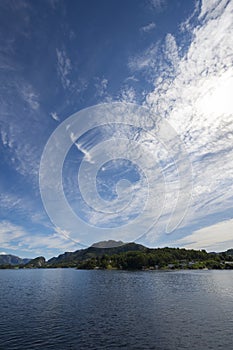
108 244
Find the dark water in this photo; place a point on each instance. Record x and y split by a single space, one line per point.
70 309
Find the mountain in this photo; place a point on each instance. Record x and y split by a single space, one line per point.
37 262
93 252
9 259
229 252
108 244
120 255
99 250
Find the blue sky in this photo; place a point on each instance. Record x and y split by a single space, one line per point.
168 63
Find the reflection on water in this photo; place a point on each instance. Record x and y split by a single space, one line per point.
73 309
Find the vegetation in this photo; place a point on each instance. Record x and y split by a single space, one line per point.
36 263
132 256
161 258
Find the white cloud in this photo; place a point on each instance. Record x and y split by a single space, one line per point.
64 67
5 136
53 241
22 206
9 233
186 26
87 155
65 234
212 9
128 94
159 60
158 5
217 237
26 159
193 92
10 201
55 116
82 148
15 237
171 49
131 78
145 61
187 87
101 87
21 149
148 27
30 96
145 199
196 100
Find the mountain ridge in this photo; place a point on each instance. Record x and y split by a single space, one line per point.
10 259
116 251
90 252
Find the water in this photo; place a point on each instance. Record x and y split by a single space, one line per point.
71 309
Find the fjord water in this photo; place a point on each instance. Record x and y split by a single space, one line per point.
74 309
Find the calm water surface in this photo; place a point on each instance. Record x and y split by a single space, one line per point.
71 309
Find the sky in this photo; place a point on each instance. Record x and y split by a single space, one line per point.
116 122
